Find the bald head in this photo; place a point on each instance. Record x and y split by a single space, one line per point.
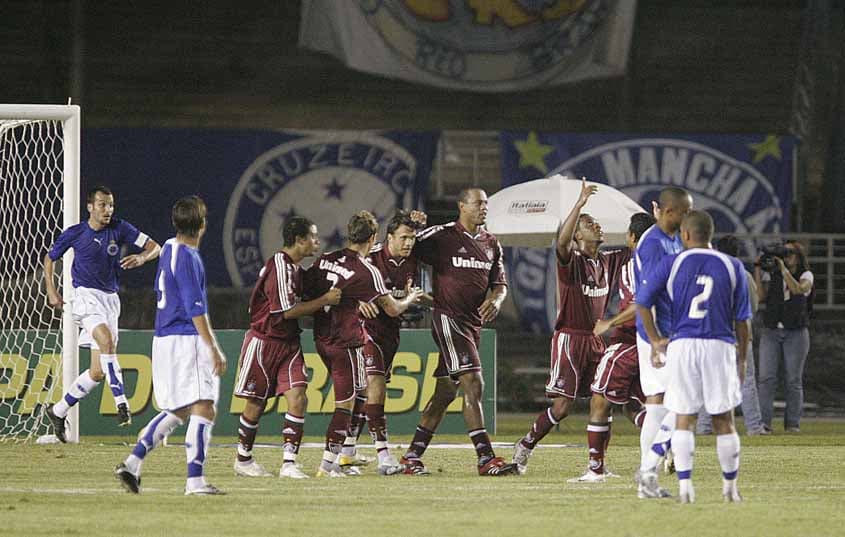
698 226
673 197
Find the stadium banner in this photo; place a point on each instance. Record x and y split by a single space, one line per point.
480 45
744 181
252 181
410 387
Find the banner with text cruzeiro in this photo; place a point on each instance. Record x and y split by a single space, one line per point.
744 181
478 45
252 181
31 377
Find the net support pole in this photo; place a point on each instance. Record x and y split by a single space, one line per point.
70 213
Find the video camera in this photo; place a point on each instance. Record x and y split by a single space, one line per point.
768 255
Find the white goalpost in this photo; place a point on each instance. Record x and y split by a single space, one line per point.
39 197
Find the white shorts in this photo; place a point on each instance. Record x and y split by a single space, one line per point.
652 379
91 308
702 373
183 372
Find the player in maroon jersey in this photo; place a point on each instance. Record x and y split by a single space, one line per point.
585 277
271 361
339 330
400 269
617 378
467 263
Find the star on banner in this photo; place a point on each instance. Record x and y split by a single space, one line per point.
533 153
769 146
334 241
334 189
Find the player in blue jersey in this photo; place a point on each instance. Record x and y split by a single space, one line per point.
708 291
95 305
187 361
656 242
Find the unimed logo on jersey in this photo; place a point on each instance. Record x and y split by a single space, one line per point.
325 177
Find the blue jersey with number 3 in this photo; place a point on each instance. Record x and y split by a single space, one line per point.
180 290
708 292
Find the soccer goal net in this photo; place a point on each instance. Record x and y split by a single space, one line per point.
39 196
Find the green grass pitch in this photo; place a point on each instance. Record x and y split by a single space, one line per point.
792 484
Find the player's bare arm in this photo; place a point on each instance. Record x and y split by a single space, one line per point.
368 310
658 342
203 326
795 287
743 336
151 251
395 308
490 308
566 233
53 296
603 325
302 309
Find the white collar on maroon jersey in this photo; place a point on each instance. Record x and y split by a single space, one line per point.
464 230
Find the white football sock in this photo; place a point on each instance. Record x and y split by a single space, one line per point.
114 376
197 440
651 425
683 445
728 448
82 386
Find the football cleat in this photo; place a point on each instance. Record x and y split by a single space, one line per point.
354 460
292 470
130 481
413 467
496 467
520 457
588 477
250 468
333 471
390 466
732 497
124 417
648 487
57 423
688 496
205 490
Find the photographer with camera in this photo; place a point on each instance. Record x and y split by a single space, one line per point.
750 405
784 283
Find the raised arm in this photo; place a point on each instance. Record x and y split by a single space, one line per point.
566 232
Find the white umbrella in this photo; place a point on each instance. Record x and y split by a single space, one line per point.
528 214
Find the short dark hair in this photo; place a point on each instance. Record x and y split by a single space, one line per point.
639 223
362 226
463 195
402 218
671 197
728 244
699 224
92 194
296 227
188 215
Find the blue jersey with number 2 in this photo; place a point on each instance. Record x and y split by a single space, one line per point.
708 292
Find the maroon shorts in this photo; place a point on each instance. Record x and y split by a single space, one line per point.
269 367
347 368
617 377
575 357
378 356
458 343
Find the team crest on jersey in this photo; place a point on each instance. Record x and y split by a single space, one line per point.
456 42
112 248
325 177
